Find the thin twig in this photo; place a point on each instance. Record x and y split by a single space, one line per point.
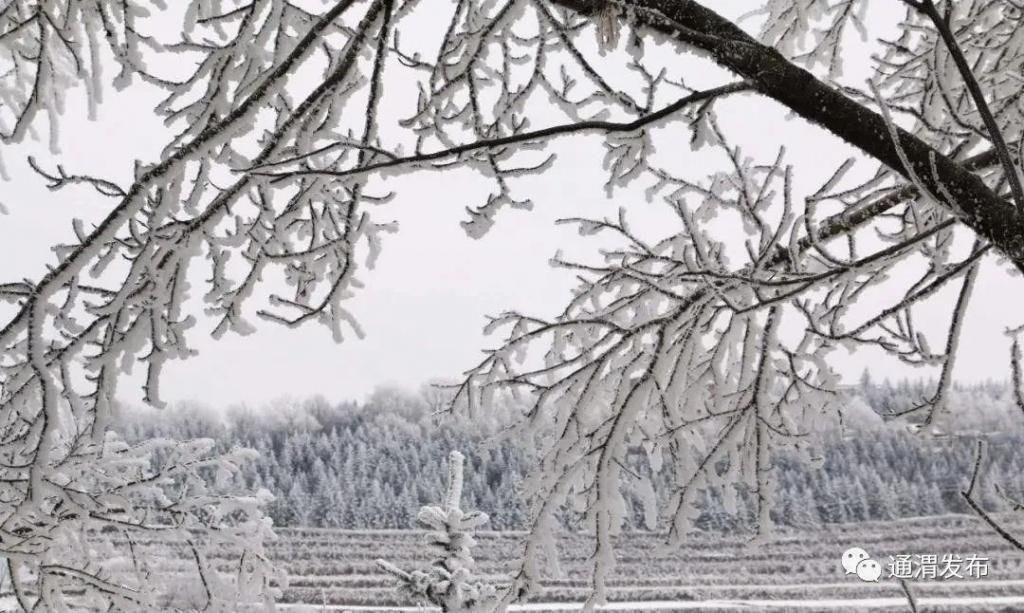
910 596
572 128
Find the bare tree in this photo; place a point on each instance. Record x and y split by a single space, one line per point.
681 345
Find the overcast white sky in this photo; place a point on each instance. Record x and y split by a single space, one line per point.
424 306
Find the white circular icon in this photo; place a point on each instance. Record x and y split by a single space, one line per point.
852 557
869 570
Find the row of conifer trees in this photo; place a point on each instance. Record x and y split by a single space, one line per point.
373 464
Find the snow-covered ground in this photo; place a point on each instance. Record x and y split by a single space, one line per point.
856 604
334 570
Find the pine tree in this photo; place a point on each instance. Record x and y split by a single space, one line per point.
449 582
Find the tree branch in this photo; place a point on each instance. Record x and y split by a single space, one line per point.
773 75
942 26
135 197
572 128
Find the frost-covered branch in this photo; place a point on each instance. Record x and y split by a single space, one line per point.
773 75
67 342
969 497
394 164
995 133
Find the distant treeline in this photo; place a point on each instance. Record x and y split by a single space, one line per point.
373 464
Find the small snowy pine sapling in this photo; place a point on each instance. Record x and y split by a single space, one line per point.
449 582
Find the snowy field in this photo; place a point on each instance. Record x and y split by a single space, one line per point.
333 570
994 603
